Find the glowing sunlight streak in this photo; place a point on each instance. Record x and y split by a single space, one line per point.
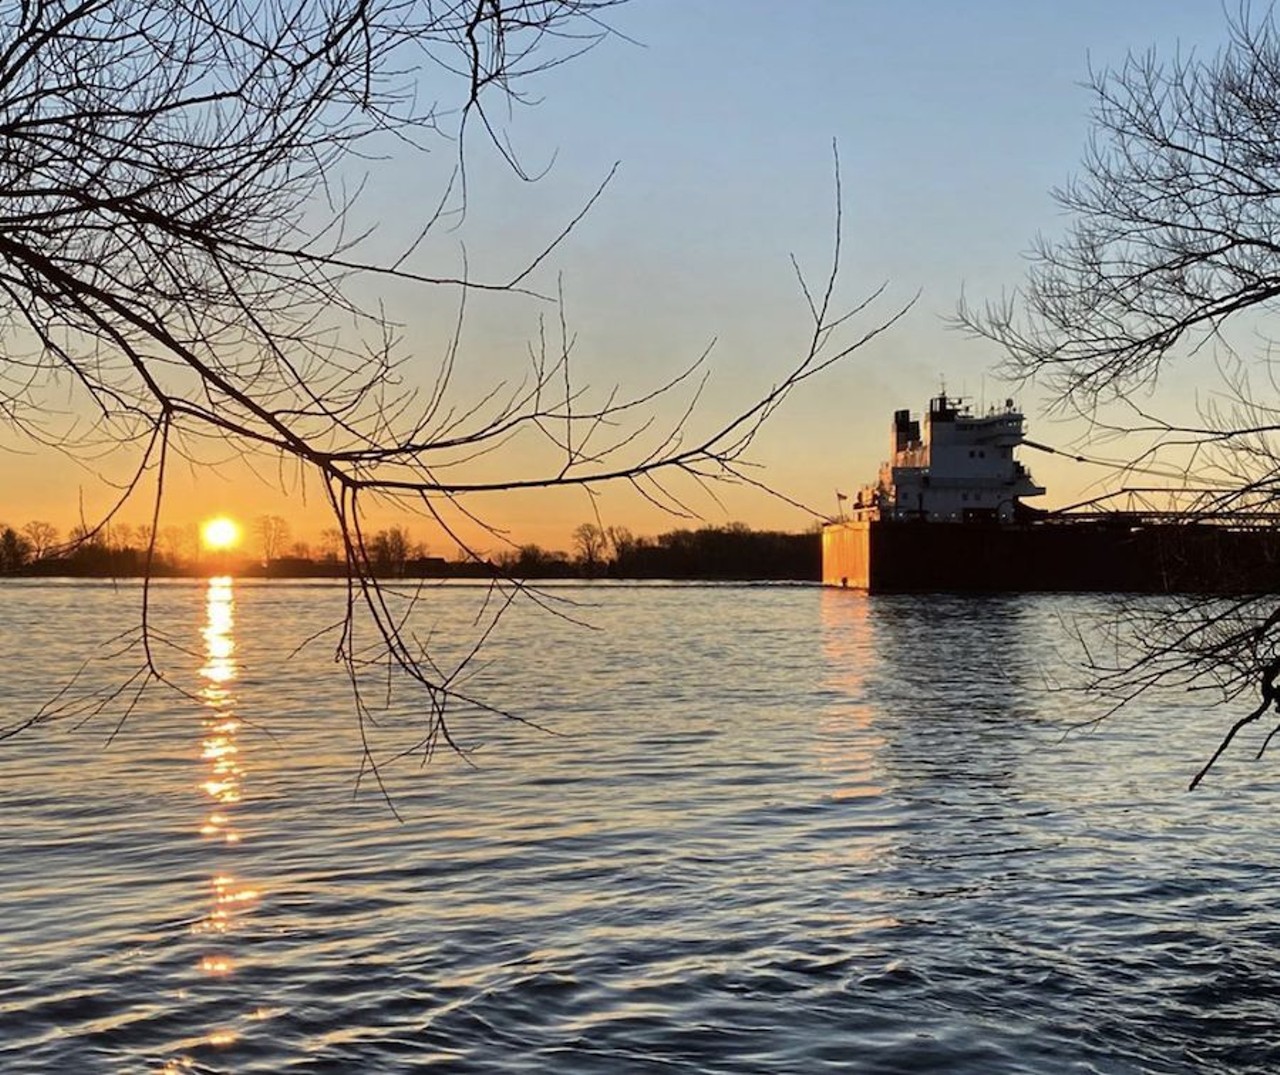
221 756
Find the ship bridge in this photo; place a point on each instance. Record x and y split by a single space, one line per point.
955 466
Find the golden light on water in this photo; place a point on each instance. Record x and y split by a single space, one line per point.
220 533
847 745
218 747
222 775
219 653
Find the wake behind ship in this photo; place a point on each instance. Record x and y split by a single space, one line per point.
946 515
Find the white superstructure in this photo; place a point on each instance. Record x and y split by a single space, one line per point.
959 468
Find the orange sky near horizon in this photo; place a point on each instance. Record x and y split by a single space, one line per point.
547 519
63 493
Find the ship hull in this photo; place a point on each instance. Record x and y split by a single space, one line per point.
1118 555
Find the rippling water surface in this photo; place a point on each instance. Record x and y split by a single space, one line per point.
769 829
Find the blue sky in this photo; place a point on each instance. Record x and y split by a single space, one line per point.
953 122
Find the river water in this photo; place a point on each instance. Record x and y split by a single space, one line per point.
767 829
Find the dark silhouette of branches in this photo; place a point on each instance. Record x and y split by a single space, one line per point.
179 255
1173 244
1173 227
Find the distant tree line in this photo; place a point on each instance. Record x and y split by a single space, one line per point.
40 548
121 549
713 552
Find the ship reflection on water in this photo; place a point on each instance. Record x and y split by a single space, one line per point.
847 741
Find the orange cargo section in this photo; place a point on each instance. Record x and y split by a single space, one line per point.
846 555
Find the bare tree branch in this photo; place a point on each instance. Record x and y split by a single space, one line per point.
179 251
1173 246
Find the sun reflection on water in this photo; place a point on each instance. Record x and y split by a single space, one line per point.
222 783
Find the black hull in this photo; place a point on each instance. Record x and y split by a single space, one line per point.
1116 556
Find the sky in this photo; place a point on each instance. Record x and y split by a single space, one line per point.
952 122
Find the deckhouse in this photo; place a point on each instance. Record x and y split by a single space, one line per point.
955 467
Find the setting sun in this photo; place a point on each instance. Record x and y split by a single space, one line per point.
220 533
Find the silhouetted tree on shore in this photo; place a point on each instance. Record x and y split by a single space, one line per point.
589 544
42 537
273 536
15 550
389 550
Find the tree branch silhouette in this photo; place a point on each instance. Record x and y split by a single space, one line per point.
179 249
1173 245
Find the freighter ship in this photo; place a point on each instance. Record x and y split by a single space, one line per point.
947 514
